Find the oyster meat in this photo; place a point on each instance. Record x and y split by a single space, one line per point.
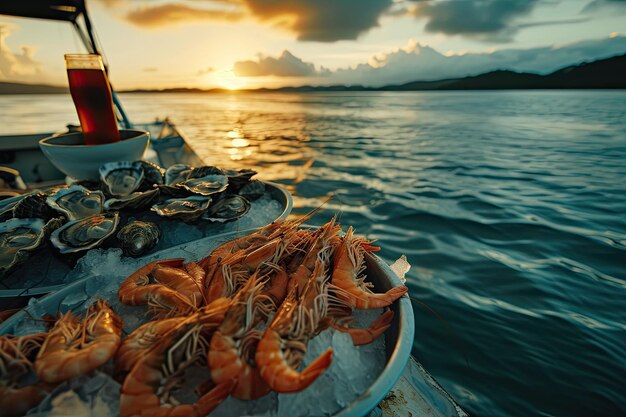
137 237
20 237
207 185
186 209
227 208
84 234
76 202
121 178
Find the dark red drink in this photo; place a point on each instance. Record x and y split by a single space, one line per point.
91 93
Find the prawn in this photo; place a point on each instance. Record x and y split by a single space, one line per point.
348 278
74 348
147 335
17 355
231 352
147 389
141 288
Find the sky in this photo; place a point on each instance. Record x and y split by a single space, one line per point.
237 44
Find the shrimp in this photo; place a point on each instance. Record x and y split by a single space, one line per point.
147 335
366 336
348 279
304 266
237 267
17 354
141 288
298 319
147 389
180 281
73 348
231 353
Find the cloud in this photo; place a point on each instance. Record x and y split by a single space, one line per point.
205 71
17 66
286 65
309 20
416 62
491 20
321 20
172 13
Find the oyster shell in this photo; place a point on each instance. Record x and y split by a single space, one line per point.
137 237
152 174
6 212
135 201
177 173
186 209
227 208
238 179
121 178
204 171
20 237
33 206
253 190
77 202
207 185
82 234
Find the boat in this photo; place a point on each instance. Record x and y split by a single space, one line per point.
404 388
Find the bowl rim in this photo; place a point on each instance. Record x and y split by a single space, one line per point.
138 136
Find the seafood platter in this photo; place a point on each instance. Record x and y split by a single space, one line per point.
137 206
285 320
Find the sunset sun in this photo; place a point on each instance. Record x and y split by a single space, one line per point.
228 80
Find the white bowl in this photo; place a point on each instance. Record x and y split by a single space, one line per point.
71 156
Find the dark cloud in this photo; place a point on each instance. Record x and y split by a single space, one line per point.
321 20
486 19
166 14
309 20
286 65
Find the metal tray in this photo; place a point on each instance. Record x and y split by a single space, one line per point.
398 338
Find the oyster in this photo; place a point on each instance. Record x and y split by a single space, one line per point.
76 202
6 212
83 234
152 174
137 238
204 171
228 208
207 185
186 209
135 201
238 179
177 173
20 237
253 190
121 178
33 206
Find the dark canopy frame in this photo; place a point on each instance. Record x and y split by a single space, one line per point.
63 10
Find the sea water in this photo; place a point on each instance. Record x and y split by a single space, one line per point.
509 206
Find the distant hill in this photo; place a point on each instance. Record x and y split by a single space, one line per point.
604 73
17 88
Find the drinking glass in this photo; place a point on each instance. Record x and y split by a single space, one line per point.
92 97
